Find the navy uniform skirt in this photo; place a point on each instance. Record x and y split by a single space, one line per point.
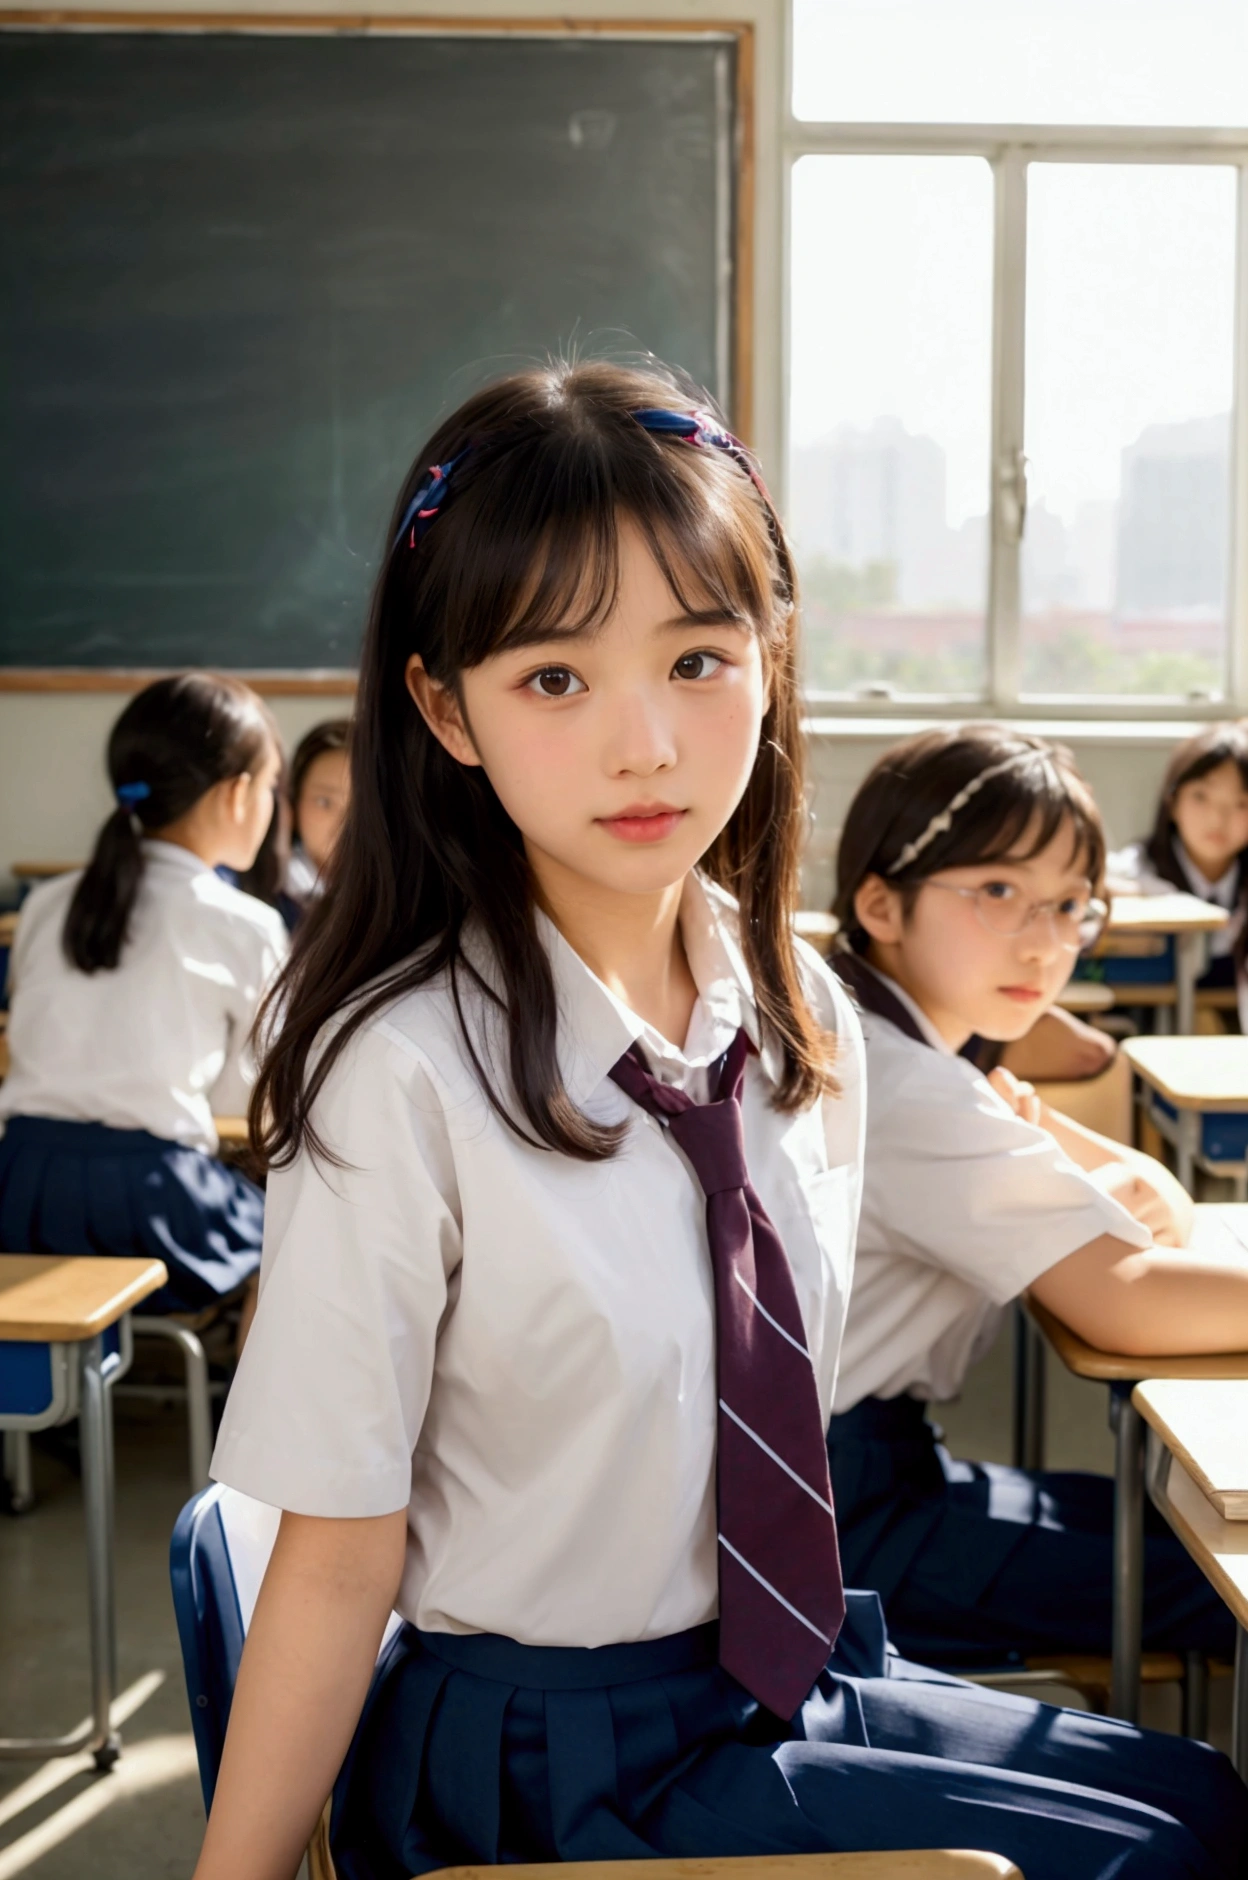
479 1750
979 1565
82 1188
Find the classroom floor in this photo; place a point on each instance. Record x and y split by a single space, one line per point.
60 1821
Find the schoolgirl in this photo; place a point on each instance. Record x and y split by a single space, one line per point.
320 786
969 877
135 984
564 1128
1199 840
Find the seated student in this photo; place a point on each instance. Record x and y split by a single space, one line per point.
320 790
135 986
565 1150
968 878
1199 841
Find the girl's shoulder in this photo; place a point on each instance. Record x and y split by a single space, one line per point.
233 909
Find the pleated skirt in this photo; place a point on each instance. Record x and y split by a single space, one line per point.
83 1188
480 1750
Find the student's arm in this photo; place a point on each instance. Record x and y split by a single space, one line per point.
1142 1185
1147 1302
305 1673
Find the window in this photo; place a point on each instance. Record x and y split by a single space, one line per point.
1013 417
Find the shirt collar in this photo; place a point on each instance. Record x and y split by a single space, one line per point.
915 1010
596 1028
175 856
1221 891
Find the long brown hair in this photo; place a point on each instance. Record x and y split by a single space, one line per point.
916 780
525 547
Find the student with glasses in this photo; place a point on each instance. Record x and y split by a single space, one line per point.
970 878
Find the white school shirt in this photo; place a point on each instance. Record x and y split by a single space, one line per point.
964 1205
516 1346
303 881
160 1042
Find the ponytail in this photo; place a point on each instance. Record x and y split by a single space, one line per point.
173 743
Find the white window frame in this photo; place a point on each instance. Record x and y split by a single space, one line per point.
1009 149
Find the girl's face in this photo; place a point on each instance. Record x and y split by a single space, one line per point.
322 804
620 752
967 977
1211 816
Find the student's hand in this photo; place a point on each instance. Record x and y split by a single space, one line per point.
1021 1097
1142 1198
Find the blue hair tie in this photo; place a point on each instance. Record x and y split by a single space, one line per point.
128 794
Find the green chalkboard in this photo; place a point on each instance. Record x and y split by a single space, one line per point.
241 275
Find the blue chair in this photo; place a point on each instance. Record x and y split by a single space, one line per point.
217 1559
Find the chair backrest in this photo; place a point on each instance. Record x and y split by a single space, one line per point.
217 1558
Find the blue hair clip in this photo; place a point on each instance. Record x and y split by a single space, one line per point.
425 504
128 794
698 427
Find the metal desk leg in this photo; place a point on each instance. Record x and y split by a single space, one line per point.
1029 1383
1239 1704
17 1470
1186 1148
1128 1425
96 1433
1189 959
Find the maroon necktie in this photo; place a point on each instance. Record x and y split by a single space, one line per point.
781 1601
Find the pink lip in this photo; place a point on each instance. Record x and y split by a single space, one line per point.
1021 995
643 822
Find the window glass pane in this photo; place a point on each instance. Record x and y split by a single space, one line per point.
1130 294
890 419
1021 61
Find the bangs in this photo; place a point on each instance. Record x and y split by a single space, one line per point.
545 565
1017 817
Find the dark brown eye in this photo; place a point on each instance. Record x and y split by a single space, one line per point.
697 665
555 682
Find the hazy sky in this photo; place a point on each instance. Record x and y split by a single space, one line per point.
1130 270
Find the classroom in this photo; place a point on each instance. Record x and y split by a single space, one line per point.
490 1149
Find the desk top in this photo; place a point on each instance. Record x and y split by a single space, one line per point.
813 924
1085 995
1162 913
232 1131
1204 1422
41 871
44 1296
1219 1548
1194 1073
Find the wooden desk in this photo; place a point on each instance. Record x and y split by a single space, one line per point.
921 1864
1120 1374
1188 1446
1196 1076
819 928
41 871
1182 917
1085 995
58 1357
8 929
232 1131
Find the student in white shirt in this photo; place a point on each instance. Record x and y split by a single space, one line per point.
564 1131
1199 844
135 984
969 876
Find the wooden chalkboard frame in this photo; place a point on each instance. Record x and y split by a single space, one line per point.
739 33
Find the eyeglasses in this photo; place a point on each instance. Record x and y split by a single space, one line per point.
1076 922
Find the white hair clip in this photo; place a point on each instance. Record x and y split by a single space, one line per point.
943 819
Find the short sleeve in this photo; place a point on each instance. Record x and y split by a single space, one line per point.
957 1180
844 1108
332 1387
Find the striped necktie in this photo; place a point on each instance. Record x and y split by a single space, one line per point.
781 1601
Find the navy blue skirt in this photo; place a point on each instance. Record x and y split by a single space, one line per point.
480 1750
82 1188
982 1565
